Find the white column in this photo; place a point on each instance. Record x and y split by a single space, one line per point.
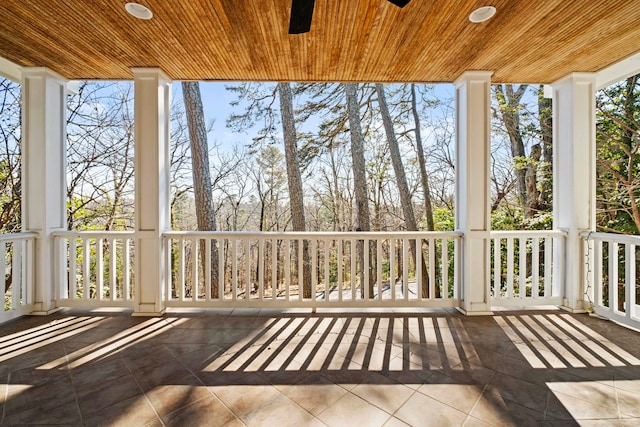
473 210
574 172
43 174
152 103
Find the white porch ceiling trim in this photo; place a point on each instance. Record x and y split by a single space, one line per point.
617 72
10 70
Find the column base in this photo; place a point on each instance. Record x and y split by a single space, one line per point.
45 312
573 310
474 313
150 313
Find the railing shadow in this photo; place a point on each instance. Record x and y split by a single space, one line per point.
540 366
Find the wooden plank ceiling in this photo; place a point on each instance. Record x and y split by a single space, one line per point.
350 40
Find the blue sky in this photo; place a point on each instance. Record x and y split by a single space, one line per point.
216 101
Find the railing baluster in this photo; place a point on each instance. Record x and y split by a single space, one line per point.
112 269
432 269
365 268
597 272
247 268
28 298
444 267
630 278
221 268
314 268
207 268
274 269
16 274
353 252
99 268
86 277
195 276
497 268
287 268
261 264
457 248
301 283
613 276
418 273
405 268
379 266
73 254
392 274
24 273
549 291
535 267
340 260
126 244
327 273
234 268
522 255
181 270
510 290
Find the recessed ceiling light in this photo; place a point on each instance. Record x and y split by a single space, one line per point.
138 10
482 14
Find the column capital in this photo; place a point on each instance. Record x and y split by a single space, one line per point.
575 78
472 75
146 72
41 71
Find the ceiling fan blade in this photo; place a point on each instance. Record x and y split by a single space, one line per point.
301 14
400 3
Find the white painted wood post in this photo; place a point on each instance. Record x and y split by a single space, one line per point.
152 108
473 209
574 172
43 174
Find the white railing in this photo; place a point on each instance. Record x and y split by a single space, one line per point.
16 266
311 269
612 273
526 268
95 267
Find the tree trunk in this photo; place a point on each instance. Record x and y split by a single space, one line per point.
363 221
403 187
531 180
293 178
509 104
424 177
545 118
205 213
424 181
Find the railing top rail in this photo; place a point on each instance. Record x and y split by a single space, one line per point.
93 233
611 237
527 233
316 234
24 235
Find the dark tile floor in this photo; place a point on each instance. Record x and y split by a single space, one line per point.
274 368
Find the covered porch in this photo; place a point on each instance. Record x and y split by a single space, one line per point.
142 347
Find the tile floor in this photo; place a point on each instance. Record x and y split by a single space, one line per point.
274 368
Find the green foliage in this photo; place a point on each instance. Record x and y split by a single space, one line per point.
443 219
618 156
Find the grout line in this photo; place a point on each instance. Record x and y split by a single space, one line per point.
145 394
546 405
73 384
484 389
617 400
6 397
